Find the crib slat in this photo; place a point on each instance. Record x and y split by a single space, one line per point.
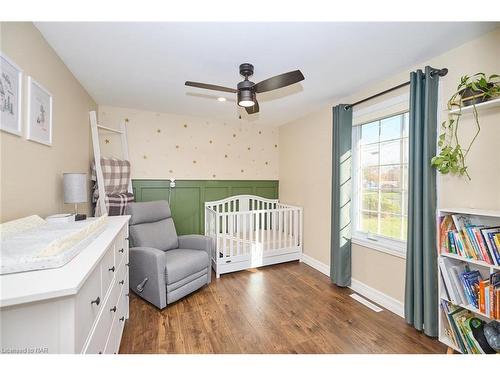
273 225
244 229
296 227
224 236
238 234
250 233
280 227
263 229
231 223
268 230
257 226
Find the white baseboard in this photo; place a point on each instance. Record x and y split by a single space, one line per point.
367 291
378 297
316 264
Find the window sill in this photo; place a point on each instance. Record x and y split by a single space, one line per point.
382 246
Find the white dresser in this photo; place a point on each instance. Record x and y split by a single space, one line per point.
80 307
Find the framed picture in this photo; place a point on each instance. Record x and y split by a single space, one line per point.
10 96
39 113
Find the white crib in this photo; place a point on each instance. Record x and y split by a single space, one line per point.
250 231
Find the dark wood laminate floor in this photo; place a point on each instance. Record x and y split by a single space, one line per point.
286 308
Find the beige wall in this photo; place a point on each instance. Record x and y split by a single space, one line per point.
31 173
305 164
164 145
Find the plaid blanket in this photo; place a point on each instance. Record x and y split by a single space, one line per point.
116 175
116 204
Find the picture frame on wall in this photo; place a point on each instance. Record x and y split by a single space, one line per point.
10 96
39 113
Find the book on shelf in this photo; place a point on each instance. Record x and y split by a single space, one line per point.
464 329
468 237
494 295
465 287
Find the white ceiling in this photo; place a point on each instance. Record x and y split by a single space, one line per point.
145 65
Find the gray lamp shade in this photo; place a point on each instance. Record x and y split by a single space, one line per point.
75 187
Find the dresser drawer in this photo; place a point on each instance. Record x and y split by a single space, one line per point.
113 343
121 247
108 268
121 274
100 334
88 303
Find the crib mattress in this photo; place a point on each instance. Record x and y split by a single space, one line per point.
32 243
263 242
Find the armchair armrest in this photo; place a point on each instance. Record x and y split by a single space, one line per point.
148 263
196 242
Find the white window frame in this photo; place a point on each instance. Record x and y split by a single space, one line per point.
371 240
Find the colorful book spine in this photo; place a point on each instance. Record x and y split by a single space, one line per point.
451 243
495 239
483 246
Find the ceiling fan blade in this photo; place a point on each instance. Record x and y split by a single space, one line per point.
210 87
279 81
253 109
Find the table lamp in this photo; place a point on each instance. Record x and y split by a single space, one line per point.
75 191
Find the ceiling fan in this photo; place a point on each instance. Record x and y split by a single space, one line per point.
247 90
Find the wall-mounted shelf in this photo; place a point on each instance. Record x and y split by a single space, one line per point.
483 105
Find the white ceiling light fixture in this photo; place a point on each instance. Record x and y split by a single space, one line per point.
221 99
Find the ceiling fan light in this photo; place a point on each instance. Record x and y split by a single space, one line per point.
246 103
246 98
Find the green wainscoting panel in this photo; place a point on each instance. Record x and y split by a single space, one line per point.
189 196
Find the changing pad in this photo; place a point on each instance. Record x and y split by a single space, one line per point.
32 243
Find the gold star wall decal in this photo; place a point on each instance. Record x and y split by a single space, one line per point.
106 140
145 157
185 125
158 130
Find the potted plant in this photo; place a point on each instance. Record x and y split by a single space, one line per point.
471 90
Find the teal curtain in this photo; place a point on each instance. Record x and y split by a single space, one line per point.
340 259
421 296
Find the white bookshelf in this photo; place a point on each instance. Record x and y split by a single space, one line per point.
489 217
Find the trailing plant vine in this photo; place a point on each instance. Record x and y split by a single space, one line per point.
452 156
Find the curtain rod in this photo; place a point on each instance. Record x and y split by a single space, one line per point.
440 72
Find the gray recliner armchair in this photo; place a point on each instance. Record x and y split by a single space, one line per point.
164 267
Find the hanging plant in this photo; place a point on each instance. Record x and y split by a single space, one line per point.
472 90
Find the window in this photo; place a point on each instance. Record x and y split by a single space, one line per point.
380 176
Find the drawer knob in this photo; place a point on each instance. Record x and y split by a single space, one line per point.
122 319
127 264
112 269
97 301
120 251
99 353
113 309
127 294
122 282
